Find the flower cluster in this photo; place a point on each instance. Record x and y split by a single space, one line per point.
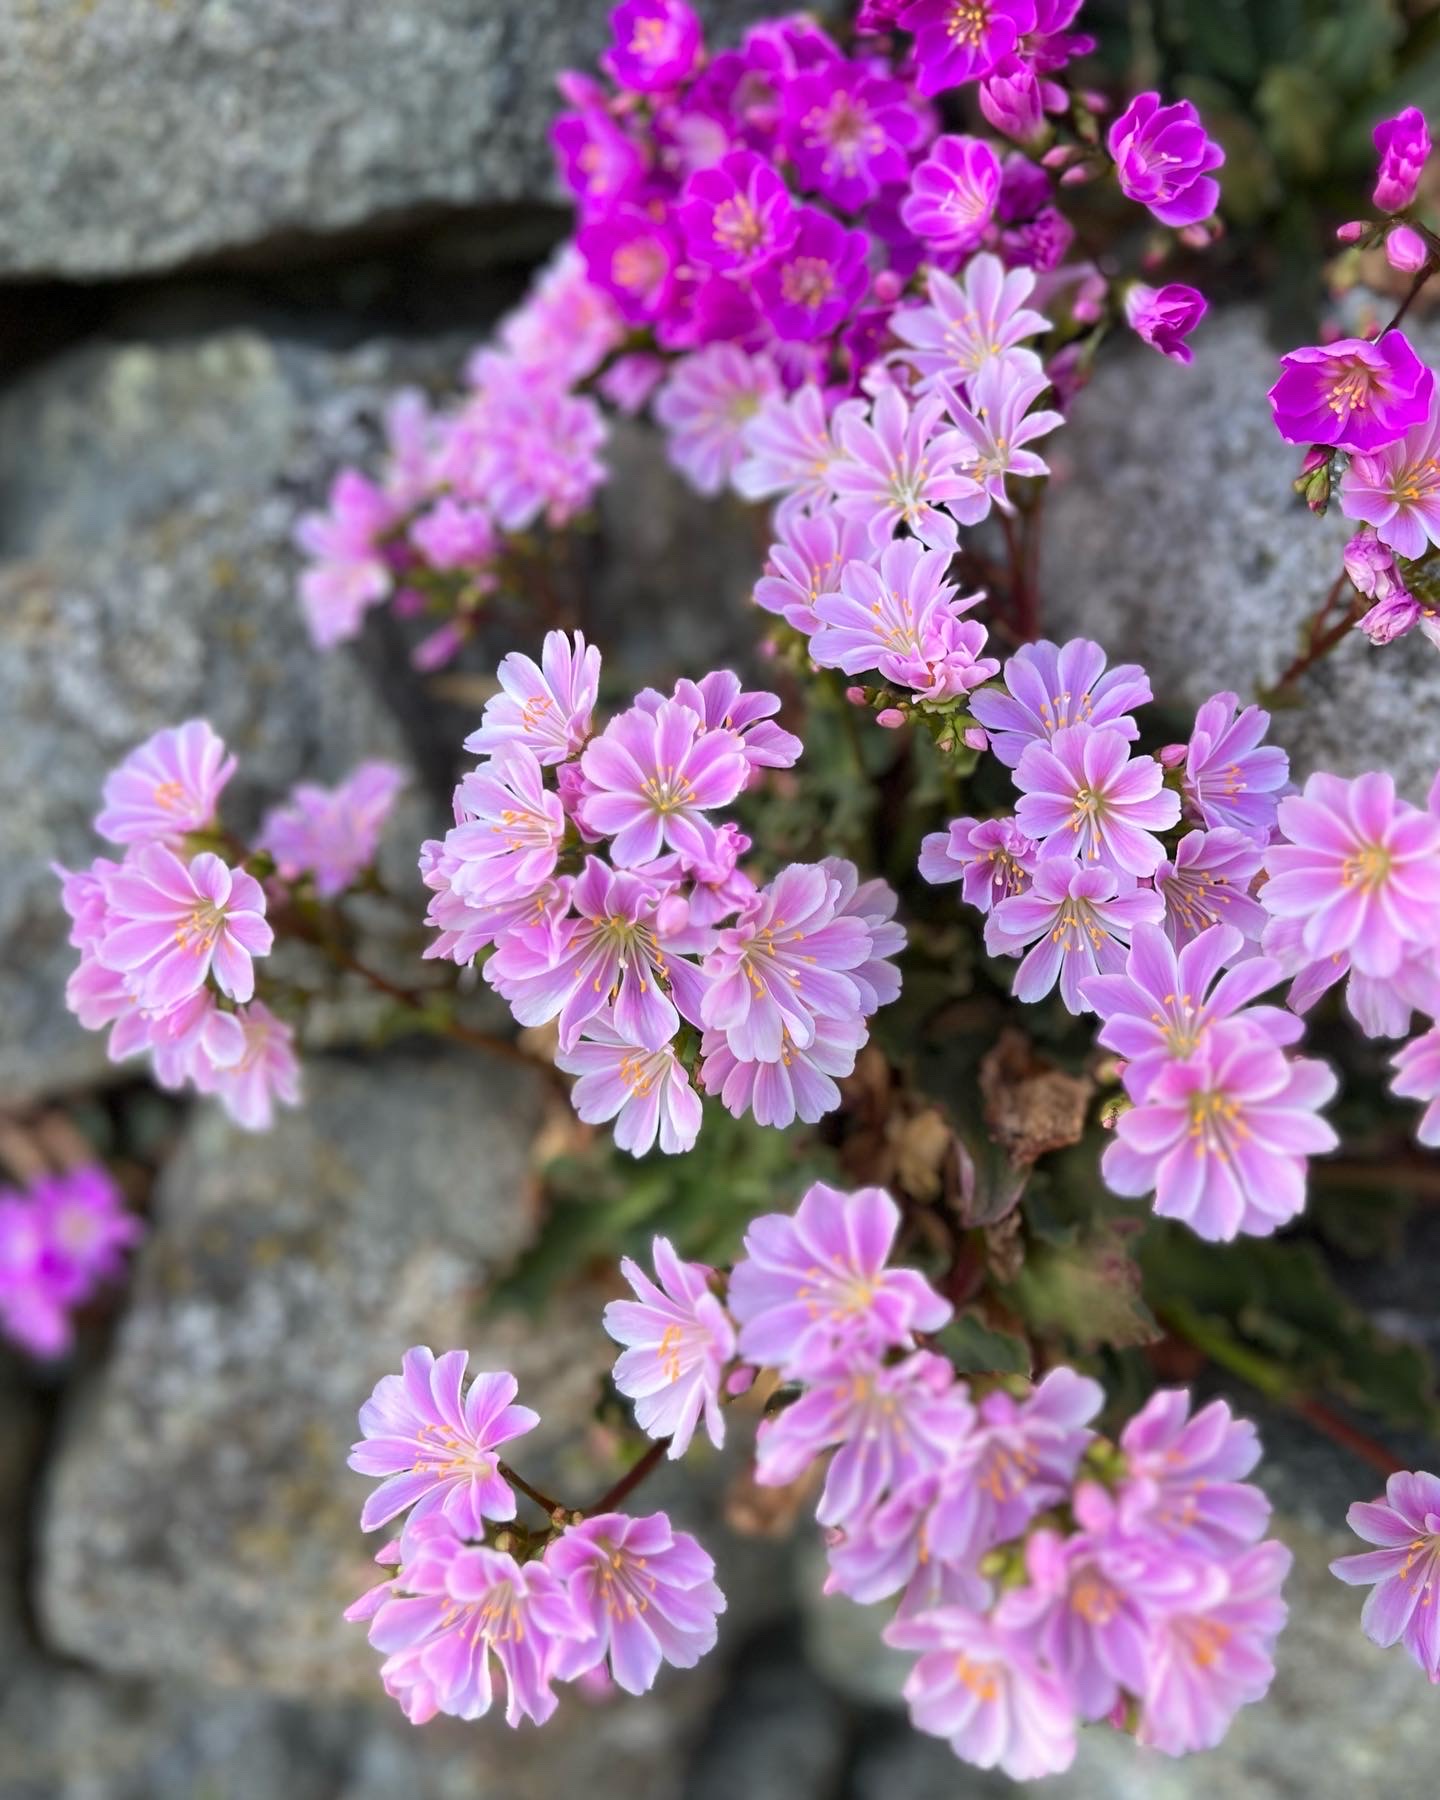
665 935
605 1593
1403 1570
61 1240
170 935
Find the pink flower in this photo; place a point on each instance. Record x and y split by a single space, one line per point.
655 45
1222 1137
1164 317
896 468
265 1071
650 778
998 423
848 132
565 326
874 903
1359 867
509 829
454 1606
1052 687
33 1315
1353 394
977 1686
1213 1654
599 163
807 562
167 787
635 259
332 833
1403 1572
349 572
889 1550
1079 918
545 706
722 705
541 452
903 619
736 215
705 406
646 1092
1396 488
170 924
645 1591
1404 146
1229 777
791 447
783 966
1163 160
960 40
1084 796
992 858
981 318
1185 1477
1405 249
59 1243
1012 99
1417 1077
798 1084
454 534
953 193
1207 882
679 1340
815 1286
436 1450
809 288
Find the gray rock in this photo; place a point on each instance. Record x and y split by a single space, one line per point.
1173 537
138 137
200 1522
778 1733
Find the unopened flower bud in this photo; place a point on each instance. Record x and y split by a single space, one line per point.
739 1381
1173 755
888 287
975 739
1078 175
1405 249
855 695
891 718
1352 232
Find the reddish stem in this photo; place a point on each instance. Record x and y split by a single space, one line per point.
1320 642
632 1478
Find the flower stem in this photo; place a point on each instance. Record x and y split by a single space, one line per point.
1320 640
533 1493
632 1478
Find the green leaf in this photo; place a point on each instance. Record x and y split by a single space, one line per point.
976 1349
1086 1292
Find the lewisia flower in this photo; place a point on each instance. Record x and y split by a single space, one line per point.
1354 394
167 787
437 1450
1083 795
979 319
874 903
991 858
1403 1571
848 131
1229 776
901 617
811 286
960 40
171 923
1164 317
646 1092
814 1286
679 1340
1185 1476
1163 159
649 777
545 706
1404 146
1396 487
349 571
1207 882
721 704
807 562
643 1593
1051 687
998 423
508 832
1079 918
332 833
704 407
251 1076
736 214
655 45
791 447
895 468
1417 1077
635 259
953 193
59 1242
1222 1137
1359 868
798 1084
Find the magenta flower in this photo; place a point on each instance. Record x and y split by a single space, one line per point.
1163 160
1404 146
998 424
1084 796
902 618
85 1226
848 132
1221 1138
266 1071
736 214
704 408
953 194
977 1686
33 1314
784 965
545 706
635 259
655 45
1229 777
969 323
348 570
509 829
815 1286
599 163
1161 1008
1207 882
1164 317
1417 1077
890 1423
645 1591
1079 918
172 923
454 1606
798 1084
1213 1654
1403 1572
1185 1477
1359 867
807 562
896 468
646 1092
1051 687
678 1341
167 787
1012 99
811 286
1397 487
437 1451
332 833
1353 394
650 778
991 858
961 40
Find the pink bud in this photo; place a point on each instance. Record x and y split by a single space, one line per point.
888 287
975 738
1314 456
1356 229
1078 176
891 718
1405 249
855 695
441 647
739 1381
1095 101
1057 156
1173 755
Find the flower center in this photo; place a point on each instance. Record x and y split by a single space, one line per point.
667 791
1214 1121
639 268
1351 390
968 22
1368 868
199 929
809 281
1094 1599
441 1452
168 795
737 226
981 1678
